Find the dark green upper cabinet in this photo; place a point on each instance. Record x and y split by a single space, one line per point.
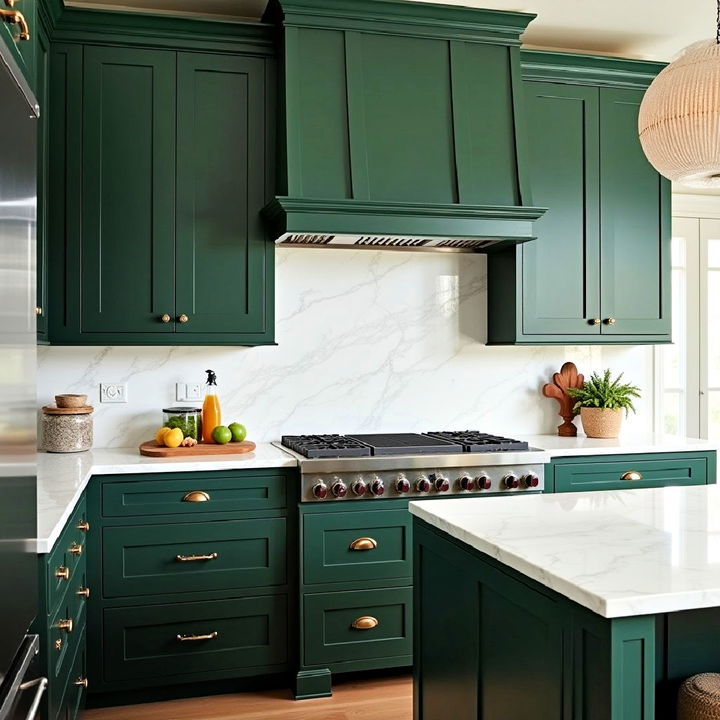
162 161
401 118
599 270
42 79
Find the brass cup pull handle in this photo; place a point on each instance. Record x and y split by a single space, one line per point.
84 526
195 558
183 318
66 625
595 321
610 321
366 622
196 496
15 17
76 549
81 682
631 476
83 592
196 638
165 318
62 573
363 543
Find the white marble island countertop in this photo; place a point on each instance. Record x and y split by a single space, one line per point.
63 477
618 553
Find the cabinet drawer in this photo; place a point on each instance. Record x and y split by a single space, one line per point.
630 471
328 625
64 642
232 492
146 559
142 642
73 693
67 558
327 552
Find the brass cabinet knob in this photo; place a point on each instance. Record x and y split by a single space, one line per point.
58 644
165 318
83 592
62 573
183 318
76 549
66 625
631 476
81 682
15 17
38 310
196 496
595 321
609 321
366 622
363 543
84 526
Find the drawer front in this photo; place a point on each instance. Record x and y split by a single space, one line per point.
73 698
190 557
67 558
142 642
328 625
630 472
235 492
383 539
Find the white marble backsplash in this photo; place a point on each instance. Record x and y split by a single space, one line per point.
367 341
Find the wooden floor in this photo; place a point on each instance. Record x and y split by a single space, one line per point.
384 698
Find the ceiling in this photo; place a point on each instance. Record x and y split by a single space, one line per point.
653 29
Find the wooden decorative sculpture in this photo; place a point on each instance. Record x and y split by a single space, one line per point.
568 377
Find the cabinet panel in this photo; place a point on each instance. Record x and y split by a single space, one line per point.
560 270
148 559
142 642
42 82
220 191
128 190
635 224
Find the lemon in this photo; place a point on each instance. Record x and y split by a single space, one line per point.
173 438
160 435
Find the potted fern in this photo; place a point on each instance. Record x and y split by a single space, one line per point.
601 402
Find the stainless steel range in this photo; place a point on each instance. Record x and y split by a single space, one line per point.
400 465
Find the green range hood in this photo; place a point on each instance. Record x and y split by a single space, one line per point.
401 127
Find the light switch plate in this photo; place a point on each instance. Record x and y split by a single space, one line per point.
113 392
188 392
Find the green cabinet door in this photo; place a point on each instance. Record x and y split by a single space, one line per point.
42 80
635 224
21 44
560 270
221 245
128 182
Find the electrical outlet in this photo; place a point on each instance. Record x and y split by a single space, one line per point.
188 392
113 392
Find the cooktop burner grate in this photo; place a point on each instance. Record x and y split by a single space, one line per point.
407 444
476 442
326 446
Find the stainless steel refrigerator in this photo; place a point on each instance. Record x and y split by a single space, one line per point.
21 688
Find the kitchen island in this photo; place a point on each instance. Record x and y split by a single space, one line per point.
560 607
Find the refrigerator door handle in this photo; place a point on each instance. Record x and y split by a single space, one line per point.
41 683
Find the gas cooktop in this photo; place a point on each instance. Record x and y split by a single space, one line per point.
385 444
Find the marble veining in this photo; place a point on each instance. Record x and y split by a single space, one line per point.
367 341
618 553
62 478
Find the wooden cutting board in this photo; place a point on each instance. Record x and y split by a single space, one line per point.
153 449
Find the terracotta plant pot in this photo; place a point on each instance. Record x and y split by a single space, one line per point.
601 422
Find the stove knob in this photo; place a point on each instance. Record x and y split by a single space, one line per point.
422 485
441 483
320 490
467 483
511 482
359 487
339 489
483 482
531 480
377 487
402 484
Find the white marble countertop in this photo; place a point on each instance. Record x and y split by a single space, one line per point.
618 553
63 477
624 445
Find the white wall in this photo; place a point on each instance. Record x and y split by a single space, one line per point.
367 341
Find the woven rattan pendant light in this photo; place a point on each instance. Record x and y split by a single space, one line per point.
679 122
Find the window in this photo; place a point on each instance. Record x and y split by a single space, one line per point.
688 371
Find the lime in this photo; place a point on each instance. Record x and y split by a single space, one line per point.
222 435
239 433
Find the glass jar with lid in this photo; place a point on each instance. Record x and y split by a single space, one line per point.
188 419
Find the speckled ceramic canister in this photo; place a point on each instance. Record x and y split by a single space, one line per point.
601 422
67 430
